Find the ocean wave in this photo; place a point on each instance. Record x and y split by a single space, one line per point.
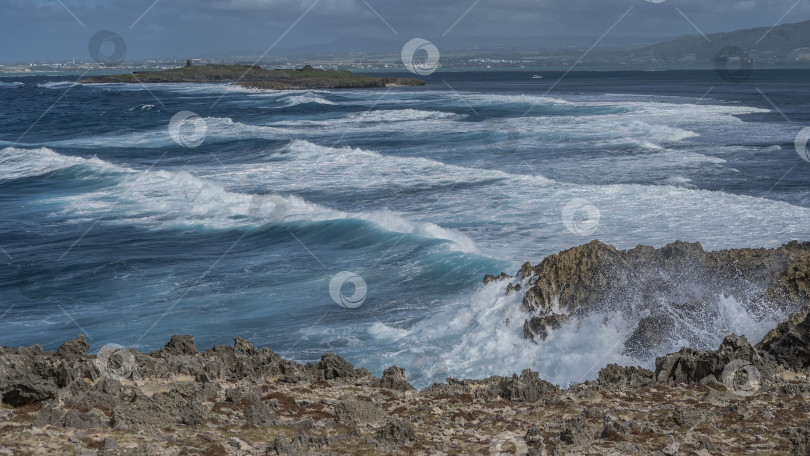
305 98
143 107
402 115
11 85
483 99
18 163
173 199
57 84
218 129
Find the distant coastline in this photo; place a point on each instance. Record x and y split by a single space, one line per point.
254 77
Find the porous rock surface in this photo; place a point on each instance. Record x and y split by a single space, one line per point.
656 286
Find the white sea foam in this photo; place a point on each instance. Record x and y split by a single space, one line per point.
305 98
18 163
482 335
166 199
57 84
11 85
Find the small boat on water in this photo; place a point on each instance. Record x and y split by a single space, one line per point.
537 76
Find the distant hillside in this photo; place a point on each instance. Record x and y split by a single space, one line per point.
787 44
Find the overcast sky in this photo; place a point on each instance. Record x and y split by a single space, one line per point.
61 29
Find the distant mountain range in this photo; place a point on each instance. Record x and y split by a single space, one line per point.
787 44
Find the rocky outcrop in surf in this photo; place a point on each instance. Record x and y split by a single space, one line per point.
662 288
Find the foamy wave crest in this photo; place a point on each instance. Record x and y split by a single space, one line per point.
219 129
402 115
480 99
144 107
167 199
308 97
17 163
11 85
57 84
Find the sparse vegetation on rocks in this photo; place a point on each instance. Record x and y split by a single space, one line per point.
255 77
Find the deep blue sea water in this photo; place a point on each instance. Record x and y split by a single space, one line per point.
112 228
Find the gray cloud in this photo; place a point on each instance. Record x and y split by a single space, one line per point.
44 29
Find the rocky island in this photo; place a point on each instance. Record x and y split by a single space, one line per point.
255 77
741 398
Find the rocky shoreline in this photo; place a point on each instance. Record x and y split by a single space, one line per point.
739 399
243 400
